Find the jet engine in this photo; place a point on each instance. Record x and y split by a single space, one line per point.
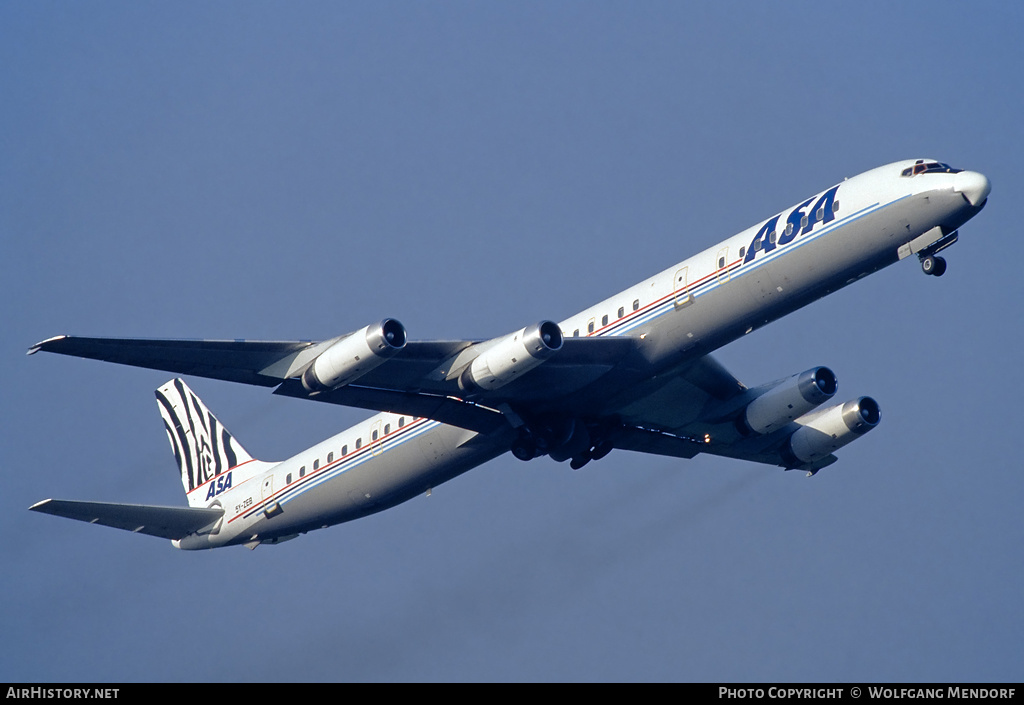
823 432
512 356
354 355
788 401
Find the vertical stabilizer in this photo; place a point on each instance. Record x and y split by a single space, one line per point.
202 446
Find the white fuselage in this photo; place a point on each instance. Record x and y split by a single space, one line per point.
683 312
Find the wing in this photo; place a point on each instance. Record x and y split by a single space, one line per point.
704 409
165 522
262 363
423 378
232 360
672 414
605 382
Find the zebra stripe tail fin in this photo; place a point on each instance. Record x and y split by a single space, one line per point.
205 451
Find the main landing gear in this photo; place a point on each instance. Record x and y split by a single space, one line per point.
565 438
936 266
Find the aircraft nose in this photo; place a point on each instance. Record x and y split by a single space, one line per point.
973 185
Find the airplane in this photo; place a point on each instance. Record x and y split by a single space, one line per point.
633 372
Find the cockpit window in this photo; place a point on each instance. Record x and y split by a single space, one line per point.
923 167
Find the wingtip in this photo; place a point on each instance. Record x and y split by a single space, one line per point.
38 506
39 346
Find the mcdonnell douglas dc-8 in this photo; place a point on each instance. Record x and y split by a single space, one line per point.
633 372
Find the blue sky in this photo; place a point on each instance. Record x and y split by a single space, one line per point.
273 171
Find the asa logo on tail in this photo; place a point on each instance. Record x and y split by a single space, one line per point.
799 222
219 485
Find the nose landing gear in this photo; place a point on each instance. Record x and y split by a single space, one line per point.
931 263
935 266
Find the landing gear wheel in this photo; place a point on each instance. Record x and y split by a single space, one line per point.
936 266
600 450
524 447
579 461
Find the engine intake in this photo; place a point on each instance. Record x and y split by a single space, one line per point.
822 433
788 401
354 355
512 356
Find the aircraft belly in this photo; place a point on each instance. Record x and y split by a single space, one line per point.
390 477
754 296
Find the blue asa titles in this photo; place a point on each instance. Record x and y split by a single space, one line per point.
219 485
800 221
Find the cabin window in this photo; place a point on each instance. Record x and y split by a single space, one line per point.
359 443
590 327
789 231
302 471
288 479
803 222
576 333
387 429
721 262
636 304
373 436
401 421
622 311
344 451
743 251
316 464
604 320
330 457
835 207
819 214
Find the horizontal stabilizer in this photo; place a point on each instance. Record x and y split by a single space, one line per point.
165 522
